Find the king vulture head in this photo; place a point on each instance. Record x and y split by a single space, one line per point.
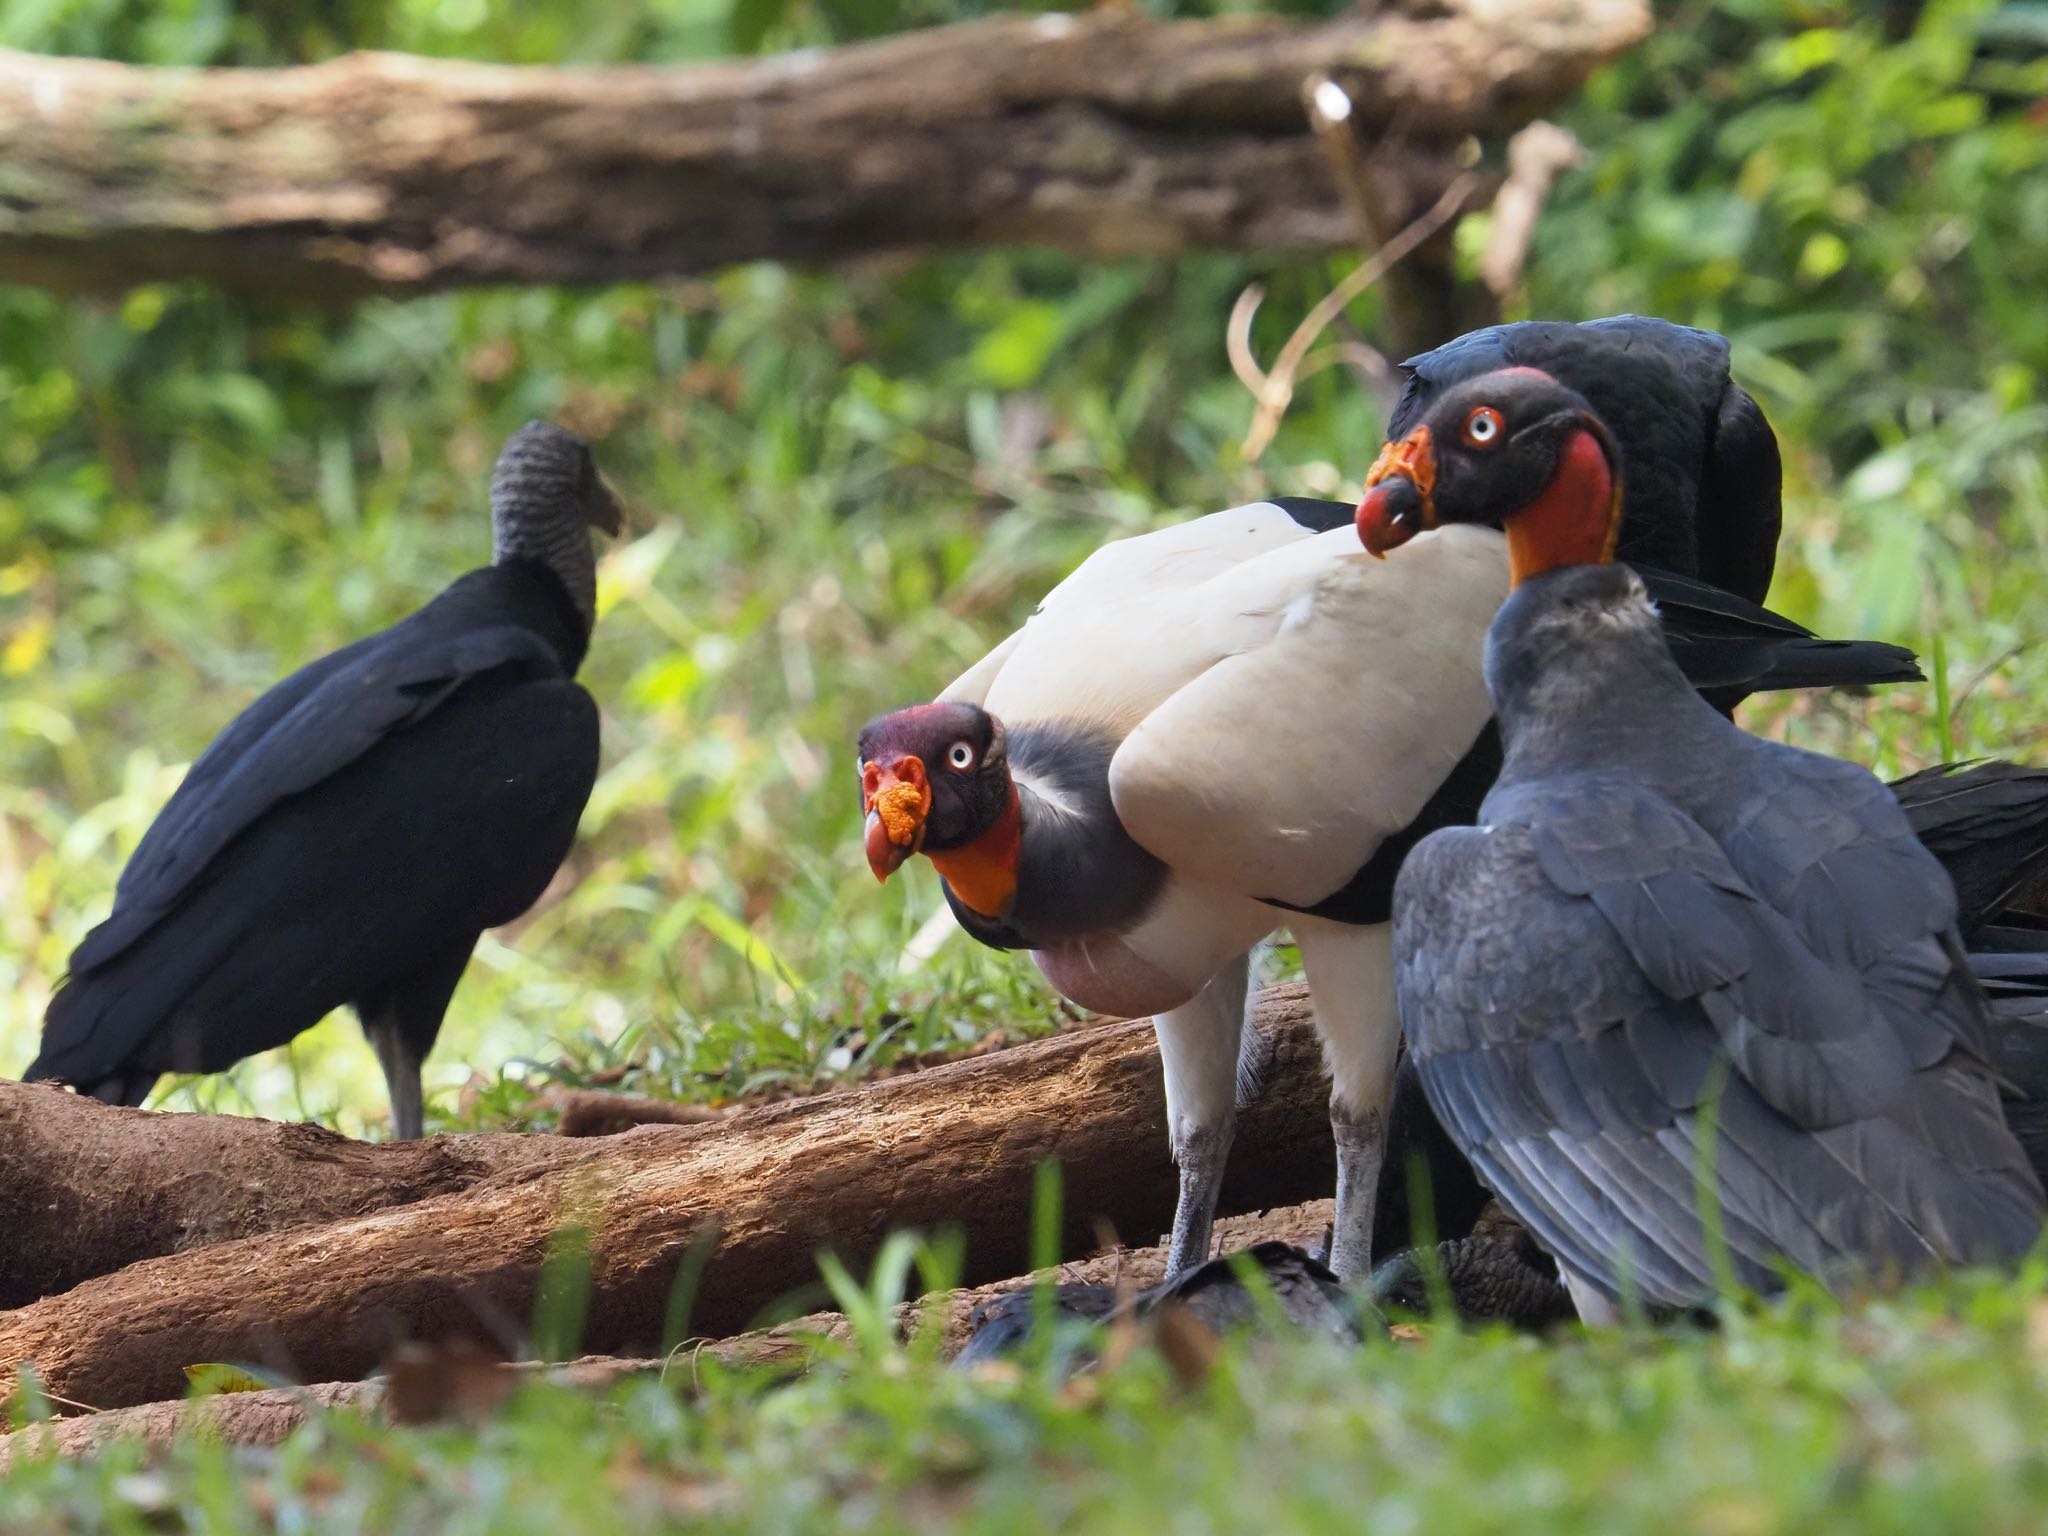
1515 449
935 779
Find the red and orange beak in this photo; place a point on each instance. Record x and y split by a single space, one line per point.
1400 491
896 800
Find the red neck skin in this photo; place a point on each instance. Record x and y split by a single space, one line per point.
983 873
1574 521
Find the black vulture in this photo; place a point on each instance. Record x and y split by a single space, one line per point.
352 833
1672 954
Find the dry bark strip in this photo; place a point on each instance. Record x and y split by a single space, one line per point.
1105 133
87 1189
601 1112
953 1146
266 1418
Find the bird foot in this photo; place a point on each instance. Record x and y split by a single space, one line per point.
1201 1152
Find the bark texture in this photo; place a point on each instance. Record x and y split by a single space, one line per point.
265 1418
767 1188
1105 133
89 1188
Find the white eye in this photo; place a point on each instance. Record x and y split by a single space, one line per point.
1483 425
960 756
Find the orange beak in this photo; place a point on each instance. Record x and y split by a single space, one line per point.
1399 494
896 800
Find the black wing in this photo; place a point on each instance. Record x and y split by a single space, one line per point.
1725 642
1589 986
1315 514
297 735
1741 505
449 822
1987 823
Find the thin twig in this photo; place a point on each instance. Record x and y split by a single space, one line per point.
1985 673
1537 156
1275 389
1237 339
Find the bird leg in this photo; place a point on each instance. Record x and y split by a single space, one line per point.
402 1029
1361 1137
1351 983
1198 1051
401 1064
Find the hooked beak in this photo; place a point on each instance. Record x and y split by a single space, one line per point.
1399 491
897 799
601 508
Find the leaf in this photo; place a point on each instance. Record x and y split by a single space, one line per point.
215 1380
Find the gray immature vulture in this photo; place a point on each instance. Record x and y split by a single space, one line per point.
1672 953
353 832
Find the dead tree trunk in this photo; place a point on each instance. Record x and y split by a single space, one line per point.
1106 133
90 1189
952 1146
265 1418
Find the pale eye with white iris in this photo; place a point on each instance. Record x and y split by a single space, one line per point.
960 756
1483 426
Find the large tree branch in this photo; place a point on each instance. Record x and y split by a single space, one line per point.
955 1145
1106 133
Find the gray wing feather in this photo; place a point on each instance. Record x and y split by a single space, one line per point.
1581 977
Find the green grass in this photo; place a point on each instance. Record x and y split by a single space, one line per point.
1914 1415
842 489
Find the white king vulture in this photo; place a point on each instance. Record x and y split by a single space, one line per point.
1172 745
1179 753
1671 952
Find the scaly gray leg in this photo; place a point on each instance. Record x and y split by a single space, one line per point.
1361 1137
1198 1052
401 1064
402 1031
1351 982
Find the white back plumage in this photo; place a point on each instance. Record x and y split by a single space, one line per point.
1285 701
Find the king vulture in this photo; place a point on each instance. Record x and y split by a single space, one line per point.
350 834
1692 442
1166 764
1671 951
1172 758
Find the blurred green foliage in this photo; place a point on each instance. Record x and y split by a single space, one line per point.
845 486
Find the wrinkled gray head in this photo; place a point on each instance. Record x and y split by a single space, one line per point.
546 496
1574 639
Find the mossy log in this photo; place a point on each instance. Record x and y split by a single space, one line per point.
1106 133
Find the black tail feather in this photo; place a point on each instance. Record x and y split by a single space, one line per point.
1987 822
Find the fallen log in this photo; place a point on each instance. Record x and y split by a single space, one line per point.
1105 133
600 1112
265 1418
90 1189
765 1190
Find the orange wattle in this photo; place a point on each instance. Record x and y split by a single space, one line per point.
1575 520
